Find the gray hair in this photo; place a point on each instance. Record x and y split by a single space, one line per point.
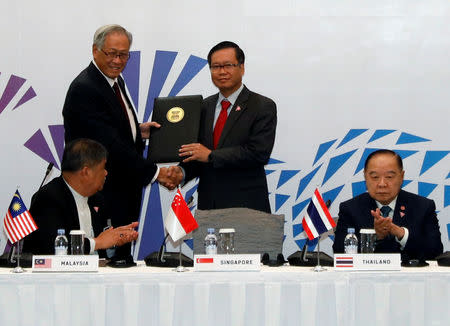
102 32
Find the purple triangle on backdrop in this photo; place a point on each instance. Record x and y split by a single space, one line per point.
29 94
13 86
57 132
38 145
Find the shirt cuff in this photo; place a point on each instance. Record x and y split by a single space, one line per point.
92 241
184 176
402 242
156 175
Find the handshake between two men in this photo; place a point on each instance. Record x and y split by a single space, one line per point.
170 177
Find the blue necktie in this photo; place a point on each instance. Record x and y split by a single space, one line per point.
385 211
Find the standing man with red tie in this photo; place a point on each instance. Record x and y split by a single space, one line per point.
237 135
97 107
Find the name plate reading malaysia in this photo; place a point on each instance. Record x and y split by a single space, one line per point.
367 262
221 263
65 263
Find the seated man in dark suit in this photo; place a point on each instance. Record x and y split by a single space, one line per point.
68 202
404 222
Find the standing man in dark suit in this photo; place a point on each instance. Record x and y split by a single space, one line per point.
237 134
97 107
68 202
404 222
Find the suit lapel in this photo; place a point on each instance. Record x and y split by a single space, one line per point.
236 112
121 83
371 203
108 94
399 211
209 121
71 208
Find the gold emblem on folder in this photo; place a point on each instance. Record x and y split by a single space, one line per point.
175 114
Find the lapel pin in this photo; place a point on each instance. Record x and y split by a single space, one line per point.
238 108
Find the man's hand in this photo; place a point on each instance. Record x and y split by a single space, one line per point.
116 236
194 152
145 128
382 225
170 177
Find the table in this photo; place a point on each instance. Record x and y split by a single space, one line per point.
274 296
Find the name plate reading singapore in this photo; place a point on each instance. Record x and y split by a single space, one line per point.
65 263
367 262
220 263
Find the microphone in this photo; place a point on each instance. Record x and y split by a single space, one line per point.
49 168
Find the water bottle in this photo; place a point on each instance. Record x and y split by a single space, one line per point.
211 242
351 242
61 243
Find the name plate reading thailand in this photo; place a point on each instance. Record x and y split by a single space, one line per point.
65 263
221 263
367 262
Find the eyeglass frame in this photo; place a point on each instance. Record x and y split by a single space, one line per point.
112 55
226 67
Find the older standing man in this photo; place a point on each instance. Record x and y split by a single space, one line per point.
97 107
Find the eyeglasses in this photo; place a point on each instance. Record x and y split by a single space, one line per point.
226 67
112 55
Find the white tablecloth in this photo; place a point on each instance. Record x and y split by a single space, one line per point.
275 296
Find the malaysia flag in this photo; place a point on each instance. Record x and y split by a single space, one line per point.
18 222
179 220
43 263
317 219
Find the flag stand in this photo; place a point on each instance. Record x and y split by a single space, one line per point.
318 268
18 249
180 268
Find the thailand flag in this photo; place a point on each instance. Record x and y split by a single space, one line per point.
317 219
179 220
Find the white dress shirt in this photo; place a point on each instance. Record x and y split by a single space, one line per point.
84 216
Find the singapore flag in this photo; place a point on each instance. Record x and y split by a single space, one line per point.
179 220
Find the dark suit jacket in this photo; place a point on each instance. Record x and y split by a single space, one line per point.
419 217
53 207
91 110
235 175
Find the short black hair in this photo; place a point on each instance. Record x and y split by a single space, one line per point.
82 152
240 56
384 151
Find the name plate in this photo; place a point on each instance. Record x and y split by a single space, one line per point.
65 263
367 262
221 263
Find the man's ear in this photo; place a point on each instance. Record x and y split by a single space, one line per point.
85 171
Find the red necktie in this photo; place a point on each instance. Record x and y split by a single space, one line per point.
120 99
220 123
